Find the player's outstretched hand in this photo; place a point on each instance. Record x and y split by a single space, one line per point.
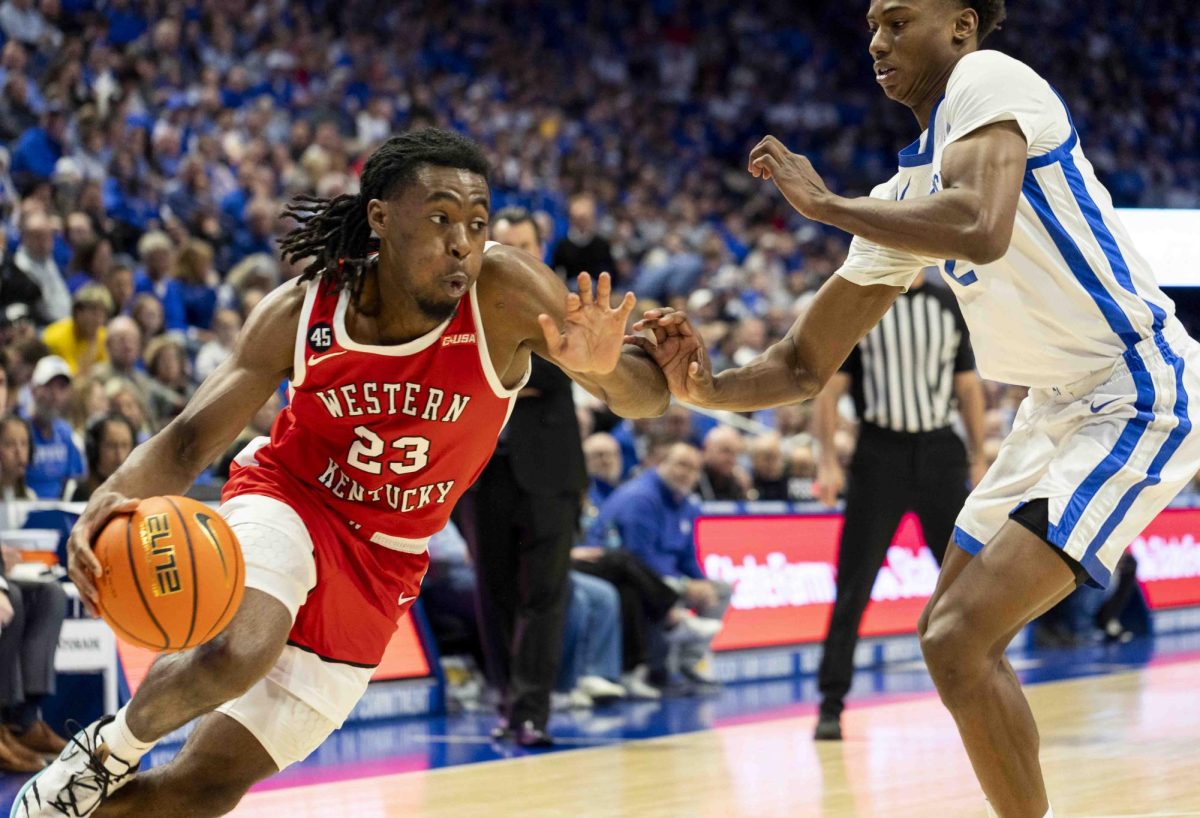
792 173
679 351
82 565
593 332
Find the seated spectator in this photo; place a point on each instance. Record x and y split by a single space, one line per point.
767 468
602 455
118 280
21 20
107 443
258 234
39 149
157 255
197 283
124 399
16 441
56 461
89 400
147 311
89 264
722 477
123 342
17 114
226 326
652 517
591 657
35 259
167 363
31 618
80 339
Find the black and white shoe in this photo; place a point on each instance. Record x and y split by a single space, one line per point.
79 780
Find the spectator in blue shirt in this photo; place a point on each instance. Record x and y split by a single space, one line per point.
653 517
40 148
157 254
56 460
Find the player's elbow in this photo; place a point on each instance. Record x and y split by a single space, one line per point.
988 239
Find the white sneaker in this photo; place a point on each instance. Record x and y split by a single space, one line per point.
600 689
636 686
77 782
693 629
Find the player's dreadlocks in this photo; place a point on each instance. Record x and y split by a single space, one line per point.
991 14
335 232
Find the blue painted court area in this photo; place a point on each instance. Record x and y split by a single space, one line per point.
407 745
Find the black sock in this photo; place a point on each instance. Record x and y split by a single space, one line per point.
20 717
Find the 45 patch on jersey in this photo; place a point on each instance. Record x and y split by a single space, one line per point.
320 337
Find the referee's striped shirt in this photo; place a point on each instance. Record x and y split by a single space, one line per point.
903 371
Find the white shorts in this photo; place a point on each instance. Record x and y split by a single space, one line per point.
1107 453
302 699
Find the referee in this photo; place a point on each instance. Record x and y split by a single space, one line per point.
908 377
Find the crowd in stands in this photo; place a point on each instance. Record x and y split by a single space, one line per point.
147 149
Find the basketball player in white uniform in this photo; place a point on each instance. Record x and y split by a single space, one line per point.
998 195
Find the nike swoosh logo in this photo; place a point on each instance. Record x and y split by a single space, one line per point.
404 600
1096 408
203 519
313 360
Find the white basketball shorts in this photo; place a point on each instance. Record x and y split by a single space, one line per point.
1108 454
302 699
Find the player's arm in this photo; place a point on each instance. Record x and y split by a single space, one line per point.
794 369
582 334
831 478
971 218
221 408
968 389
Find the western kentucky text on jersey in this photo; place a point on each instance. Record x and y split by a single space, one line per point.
398 498
375 398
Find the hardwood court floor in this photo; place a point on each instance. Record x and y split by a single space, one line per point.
1125 744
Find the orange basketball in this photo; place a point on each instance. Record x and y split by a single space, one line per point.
173 574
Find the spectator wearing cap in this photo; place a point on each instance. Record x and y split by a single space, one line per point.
157 254
35 258
80 339
57 461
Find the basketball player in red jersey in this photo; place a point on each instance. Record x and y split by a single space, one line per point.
404 367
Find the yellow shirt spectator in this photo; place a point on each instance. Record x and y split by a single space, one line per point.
80 339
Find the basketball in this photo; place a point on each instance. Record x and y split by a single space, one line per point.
173 574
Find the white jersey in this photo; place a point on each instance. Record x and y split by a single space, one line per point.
1072 294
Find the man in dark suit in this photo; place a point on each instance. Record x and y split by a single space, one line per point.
583 249
527 509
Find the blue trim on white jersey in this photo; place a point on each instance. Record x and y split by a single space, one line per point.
913 156
1105 238
1117 320
1153 477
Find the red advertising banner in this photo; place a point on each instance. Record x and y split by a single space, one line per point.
783 571
784 568
1168 558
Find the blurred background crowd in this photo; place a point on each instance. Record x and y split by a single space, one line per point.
147 150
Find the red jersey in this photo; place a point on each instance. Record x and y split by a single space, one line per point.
374 449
